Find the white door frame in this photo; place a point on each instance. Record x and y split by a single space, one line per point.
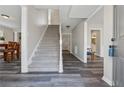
85 42
70 46
101 39
24 43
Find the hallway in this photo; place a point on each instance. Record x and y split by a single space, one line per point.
76 74
91 73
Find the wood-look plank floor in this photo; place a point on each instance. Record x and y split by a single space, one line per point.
76 74
12 67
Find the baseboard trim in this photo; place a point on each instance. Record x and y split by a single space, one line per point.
78 57
35 49
107 80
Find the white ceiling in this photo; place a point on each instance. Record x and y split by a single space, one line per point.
47 6
15 16
69 15
66 20
82 11
73 15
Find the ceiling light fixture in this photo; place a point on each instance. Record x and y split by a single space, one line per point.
68 26
5 16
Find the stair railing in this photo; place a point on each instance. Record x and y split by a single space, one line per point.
60 52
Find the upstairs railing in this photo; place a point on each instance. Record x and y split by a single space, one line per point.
60 58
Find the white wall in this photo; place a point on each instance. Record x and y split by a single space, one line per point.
96 22
7 33
34 23
37 23
78 41
54 18
108 31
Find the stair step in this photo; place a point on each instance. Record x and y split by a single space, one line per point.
49 43
43 65
51 35
54 32
45 61
45 58
50 38
43 69
46 54
48 49
49 46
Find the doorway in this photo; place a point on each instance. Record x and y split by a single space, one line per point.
95 42
66 42
95 50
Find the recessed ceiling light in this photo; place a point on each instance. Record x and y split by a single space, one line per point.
5 16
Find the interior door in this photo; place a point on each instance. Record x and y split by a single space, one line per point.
118 66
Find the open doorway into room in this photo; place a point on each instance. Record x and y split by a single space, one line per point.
94 53
66 43
10 39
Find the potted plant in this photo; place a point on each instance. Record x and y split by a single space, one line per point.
2 39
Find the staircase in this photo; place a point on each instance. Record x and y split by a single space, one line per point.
46 57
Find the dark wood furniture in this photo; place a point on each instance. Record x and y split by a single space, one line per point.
10 51
16 47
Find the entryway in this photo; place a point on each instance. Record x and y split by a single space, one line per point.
95 51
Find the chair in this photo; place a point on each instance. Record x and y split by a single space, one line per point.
12 51
91 53
9 53
16 48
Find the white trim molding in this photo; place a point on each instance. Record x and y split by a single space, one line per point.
85 42
24 48
82 60
107 80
